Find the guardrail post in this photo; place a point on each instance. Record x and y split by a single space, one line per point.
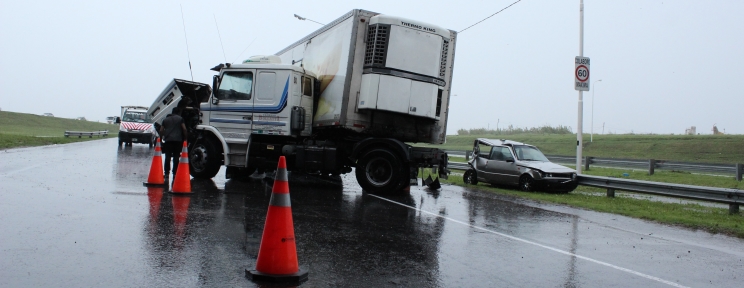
467 156
651 166
733 208
739 171
611 192
587 160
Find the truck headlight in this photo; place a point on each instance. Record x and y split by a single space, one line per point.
121 128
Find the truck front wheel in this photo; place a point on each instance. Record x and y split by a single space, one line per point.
379 171
205 158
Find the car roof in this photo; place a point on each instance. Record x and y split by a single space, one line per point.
500 142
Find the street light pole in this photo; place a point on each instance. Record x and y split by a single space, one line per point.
591 138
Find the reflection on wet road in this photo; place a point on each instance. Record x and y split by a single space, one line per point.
68 221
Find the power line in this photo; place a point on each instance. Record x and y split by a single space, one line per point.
507 7
218 34
187 44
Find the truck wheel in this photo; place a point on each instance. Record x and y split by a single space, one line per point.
120 143
379 171
205 158
470 177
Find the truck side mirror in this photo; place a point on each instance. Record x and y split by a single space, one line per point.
118 120
215 90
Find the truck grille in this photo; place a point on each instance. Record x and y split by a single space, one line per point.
377 43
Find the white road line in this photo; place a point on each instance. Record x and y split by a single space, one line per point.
19 170
540 245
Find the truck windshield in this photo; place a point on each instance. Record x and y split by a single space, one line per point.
529 153
235 86
131 116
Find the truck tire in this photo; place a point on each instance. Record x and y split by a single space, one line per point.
379 171
205 158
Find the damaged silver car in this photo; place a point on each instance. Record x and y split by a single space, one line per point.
505 162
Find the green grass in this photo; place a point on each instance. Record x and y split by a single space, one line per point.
23 130
726 149
694 216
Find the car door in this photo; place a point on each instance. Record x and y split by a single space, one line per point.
504 166
482 162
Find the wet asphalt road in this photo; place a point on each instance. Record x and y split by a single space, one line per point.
77 215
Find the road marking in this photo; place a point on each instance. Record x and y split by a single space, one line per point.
540 245
19 170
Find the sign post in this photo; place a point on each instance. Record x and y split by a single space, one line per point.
581 83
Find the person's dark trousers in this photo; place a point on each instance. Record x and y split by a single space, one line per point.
172 152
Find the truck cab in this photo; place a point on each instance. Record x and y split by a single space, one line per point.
261 103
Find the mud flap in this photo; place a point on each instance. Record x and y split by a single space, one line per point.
435 184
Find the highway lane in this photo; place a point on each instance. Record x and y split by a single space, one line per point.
78 215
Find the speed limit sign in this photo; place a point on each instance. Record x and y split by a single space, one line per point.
581 74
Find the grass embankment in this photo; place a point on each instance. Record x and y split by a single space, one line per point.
686 148
22 130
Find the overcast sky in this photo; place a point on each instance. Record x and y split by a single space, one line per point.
665 65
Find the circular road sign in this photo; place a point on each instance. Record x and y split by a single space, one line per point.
582 73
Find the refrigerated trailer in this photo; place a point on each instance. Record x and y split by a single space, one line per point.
355 94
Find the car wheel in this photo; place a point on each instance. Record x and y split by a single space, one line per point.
205 158
470 177
379 171
526 183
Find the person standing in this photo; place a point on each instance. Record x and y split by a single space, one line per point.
173 130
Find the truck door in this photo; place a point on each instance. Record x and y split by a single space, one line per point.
272 91
232 114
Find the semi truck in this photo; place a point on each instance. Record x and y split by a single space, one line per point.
352 96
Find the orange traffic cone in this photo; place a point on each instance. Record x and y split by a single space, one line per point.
182 182
156 168
277 255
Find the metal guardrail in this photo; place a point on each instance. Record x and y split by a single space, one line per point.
80 134
733 197
458 165
650 164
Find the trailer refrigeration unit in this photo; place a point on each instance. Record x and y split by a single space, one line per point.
350 95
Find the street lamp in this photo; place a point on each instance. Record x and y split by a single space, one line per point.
303 18
591 138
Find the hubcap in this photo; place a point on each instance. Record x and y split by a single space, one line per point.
198 158
526 185
379 171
